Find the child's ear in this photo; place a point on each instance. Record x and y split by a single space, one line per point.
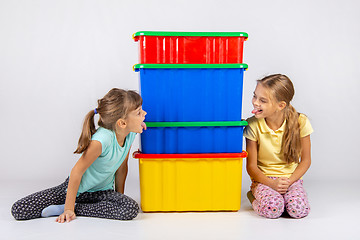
121 123
282 105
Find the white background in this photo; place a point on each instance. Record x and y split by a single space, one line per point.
58 57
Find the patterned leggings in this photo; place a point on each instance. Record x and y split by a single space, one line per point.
271 204
102 204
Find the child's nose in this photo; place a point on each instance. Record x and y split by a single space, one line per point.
255 102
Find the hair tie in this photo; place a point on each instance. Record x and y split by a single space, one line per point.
95 111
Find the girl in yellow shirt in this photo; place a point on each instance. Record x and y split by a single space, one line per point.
276 138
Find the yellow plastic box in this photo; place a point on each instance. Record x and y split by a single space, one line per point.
190 182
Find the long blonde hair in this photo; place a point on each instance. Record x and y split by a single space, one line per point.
116 104
282 89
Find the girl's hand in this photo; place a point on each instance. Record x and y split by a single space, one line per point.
136 152
67 215
281 185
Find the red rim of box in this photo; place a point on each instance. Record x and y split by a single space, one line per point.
243 154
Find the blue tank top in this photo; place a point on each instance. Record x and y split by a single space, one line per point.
101 173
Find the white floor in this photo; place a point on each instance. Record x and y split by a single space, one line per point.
335 214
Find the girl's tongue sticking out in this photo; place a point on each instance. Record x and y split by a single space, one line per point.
255 111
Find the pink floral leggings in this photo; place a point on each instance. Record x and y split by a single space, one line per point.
271 204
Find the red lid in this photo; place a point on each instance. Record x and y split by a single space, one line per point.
243 154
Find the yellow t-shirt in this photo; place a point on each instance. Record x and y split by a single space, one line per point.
270 157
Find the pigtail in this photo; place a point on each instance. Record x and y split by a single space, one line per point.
291 144
87 131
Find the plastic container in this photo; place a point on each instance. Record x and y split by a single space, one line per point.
190 47
191 92
190 182
193 137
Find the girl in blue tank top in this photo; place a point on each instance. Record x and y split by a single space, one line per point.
95 187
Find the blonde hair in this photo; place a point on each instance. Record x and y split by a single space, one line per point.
116 104
282 89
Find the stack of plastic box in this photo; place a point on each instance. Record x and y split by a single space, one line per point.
191 85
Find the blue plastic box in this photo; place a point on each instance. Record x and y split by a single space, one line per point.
191 92
199 137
